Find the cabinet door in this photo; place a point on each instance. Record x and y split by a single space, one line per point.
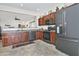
9 40
41 21
52 37
24 37
45 18
39 35
16 40
6 40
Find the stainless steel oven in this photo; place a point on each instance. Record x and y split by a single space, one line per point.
47 36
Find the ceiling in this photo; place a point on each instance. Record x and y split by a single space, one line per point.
37 7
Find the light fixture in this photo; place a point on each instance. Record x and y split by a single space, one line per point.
17 18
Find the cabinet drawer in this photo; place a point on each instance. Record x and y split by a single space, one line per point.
68 46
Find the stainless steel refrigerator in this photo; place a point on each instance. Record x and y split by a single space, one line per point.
67 22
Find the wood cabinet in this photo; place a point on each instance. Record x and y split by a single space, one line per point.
9 38
14 38
53 17
52 37
39 35
25 37
6 39
47 19
41 21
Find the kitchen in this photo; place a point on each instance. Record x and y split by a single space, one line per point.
21 25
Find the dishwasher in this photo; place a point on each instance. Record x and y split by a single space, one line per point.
32 35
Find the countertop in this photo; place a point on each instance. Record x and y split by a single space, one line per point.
19 29
24 29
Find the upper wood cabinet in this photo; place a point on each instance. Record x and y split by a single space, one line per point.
40 21
47 19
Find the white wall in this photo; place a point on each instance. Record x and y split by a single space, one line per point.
21 11
9 18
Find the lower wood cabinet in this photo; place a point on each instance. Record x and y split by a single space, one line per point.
39 35
9 38
52 37
14 38
6 39
25 37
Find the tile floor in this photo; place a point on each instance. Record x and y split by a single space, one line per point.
38 48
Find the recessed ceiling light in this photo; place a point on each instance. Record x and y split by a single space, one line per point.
21 5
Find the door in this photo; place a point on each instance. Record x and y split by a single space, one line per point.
61 22
72 19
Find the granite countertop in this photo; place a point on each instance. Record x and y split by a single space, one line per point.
19 29
24 29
